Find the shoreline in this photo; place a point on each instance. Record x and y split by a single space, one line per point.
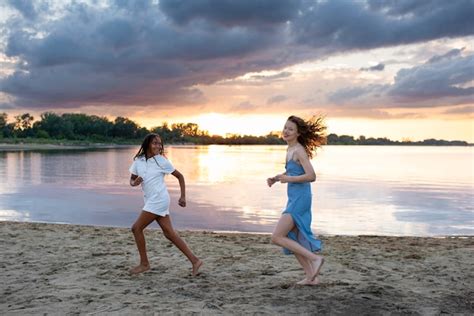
64 268
235 232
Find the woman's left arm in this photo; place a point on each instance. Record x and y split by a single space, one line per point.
182 186
309 174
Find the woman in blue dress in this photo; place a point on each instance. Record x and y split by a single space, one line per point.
293 231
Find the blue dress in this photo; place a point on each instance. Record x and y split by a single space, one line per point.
299 207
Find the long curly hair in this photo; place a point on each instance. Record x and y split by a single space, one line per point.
312 132
146 144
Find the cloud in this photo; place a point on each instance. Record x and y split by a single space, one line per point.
452 53
230 13
370 113
345 95
258 80
378 67
339 25
27 8
437 82
147 53
461 110
277 99
281 75
404 7
123 59
243 107
6 106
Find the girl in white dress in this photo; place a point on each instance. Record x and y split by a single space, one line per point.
148 169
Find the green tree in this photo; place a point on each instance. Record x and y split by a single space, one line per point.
85 126
3 124
55 126
125 128
23 121
3 120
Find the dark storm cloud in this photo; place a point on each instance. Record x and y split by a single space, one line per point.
378 67
143 52
340 25
405 7
26 8
433 80
231 12
97 56
439 81
135 5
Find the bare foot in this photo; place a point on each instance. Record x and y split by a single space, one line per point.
302 282
196 267
139 269
309 282
317 264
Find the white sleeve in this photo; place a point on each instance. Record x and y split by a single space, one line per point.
167 166
133 168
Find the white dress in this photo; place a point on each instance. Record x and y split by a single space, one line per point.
155 193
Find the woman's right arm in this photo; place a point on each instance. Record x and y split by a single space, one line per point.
271 181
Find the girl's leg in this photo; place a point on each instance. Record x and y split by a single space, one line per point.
279 237
140 224
171 235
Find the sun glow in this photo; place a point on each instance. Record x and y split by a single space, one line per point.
394 129
225 124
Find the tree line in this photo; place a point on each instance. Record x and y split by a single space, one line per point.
92 128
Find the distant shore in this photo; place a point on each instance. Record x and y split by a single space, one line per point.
67 145
33 146
64 269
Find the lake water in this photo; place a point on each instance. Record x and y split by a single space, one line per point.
385 190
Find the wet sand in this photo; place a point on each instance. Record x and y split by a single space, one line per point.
69 269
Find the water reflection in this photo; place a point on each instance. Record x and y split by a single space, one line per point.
359 190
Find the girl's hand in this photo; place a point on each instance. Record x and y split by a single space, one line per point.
271 181
182 201
283 178
137 181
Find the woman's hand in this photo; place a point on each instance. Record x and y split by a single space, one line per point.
136 181
182 201
271 181
283 178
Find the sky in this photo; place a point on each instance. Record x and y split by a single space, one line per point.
380 68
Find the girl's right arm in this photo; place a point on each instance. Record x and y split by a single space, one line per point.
135 180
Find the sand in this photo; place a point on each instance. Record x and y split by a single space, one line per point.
68 269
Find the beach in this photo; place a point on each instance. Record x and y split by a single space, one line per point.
71 269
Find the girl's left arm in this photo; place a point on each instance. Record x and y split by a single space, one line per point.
182 186
309 174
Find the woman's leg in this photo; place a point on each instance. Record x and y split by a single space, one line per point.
140 224
309 271
306 264
171 235
279 237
